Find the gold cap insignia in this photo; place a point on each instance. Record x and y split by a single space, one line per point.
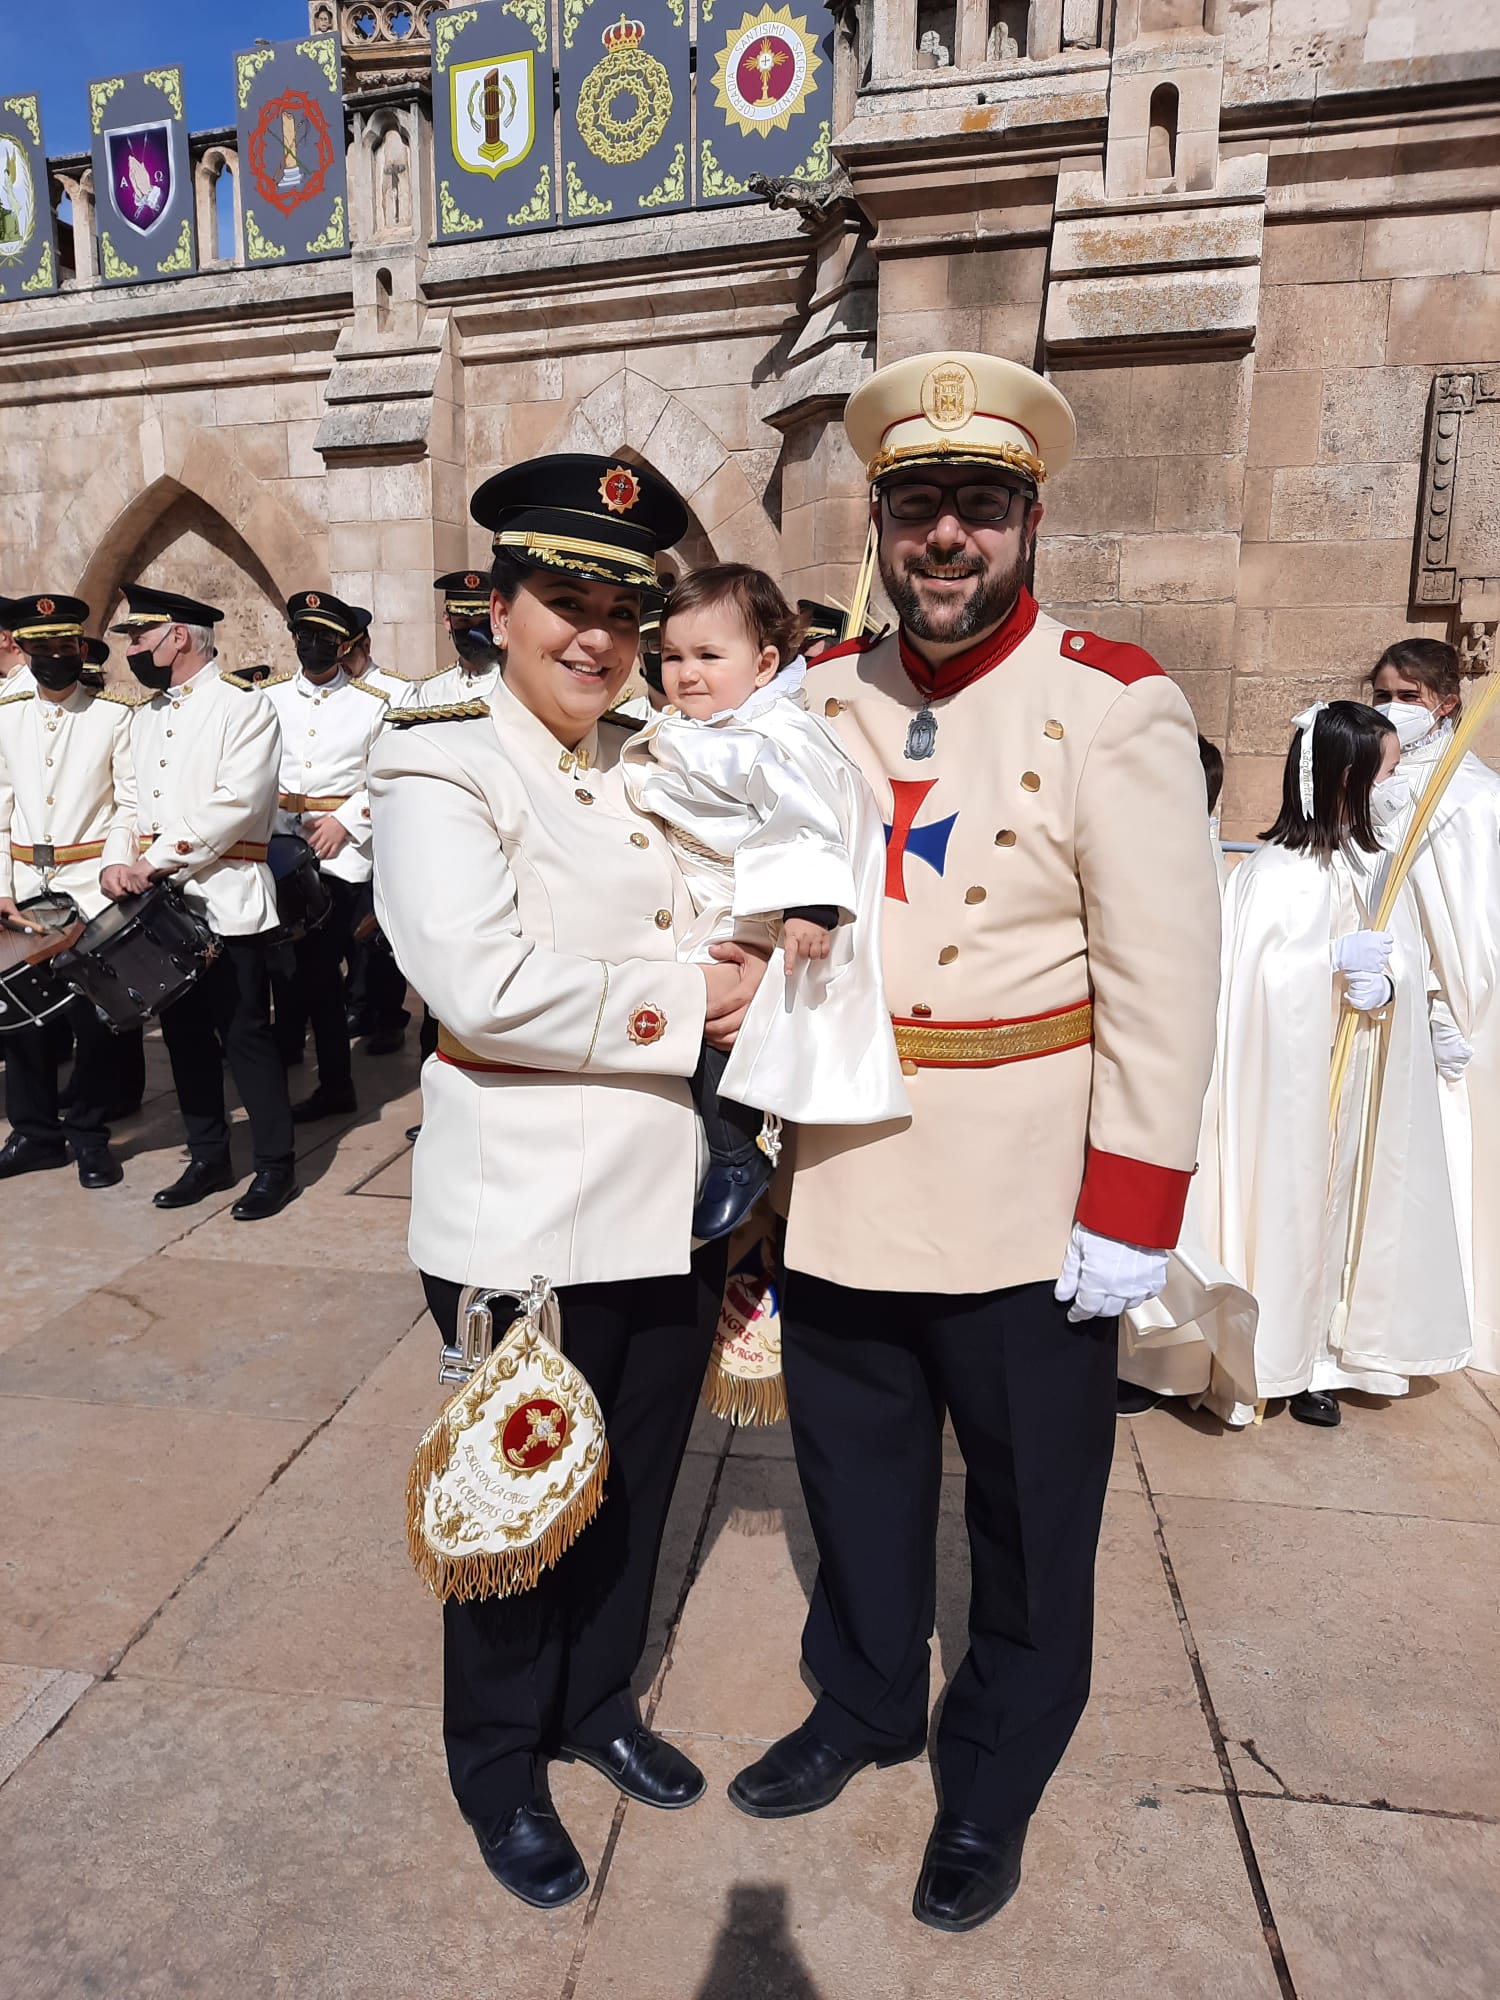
950 396
471 582
45 607
646 1025
619 489
312 600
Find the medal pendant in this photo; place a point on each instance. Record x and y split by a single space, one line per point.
921 734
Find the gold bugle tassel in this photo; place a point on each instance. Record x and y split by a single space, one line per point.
859 603
492 1572
740 1400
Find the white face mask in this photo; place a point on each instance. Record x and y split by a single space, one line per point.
1389 798
1410 721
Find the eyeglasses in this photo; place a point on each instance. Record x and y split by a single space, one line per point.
984 504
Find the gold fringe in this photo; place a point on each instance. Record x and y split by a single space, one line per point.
759 1400
494 1573
859 602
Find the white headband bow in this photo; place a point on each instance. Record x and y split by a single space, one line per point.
1305 722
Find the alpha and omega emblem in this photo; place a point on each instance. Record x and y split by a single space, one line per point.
950 396
619 489
533 1434
646 1025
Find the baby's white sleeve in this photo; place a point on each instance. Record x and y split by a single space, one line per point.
797 854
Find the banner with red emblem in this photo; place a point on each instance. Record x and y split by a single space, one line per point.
294 197
765 95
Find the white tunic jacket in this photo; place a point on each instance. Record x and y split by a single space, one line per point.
326 736
66 779
539 917
206 758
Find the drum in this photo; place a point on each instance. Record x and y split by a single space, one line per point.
140 955
302 898
30 988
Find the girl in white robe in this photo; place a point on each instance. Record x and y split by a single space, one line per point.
780 841
1455 879
1349 1246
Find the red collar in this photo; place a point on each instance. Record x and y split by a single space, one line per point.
934 683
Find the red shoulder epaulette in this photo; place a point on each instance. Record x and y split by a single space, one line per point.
1115 657
845 647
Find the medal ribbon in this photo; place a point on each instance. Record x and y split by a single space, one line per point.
936 683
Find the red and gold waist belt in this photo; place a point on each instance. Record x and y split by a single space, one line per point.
305 802
242 850
80 850
927 1044
451 1050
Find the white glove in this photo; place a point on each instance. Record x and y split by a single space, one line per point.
1363 951
1452 1051
1367 992
1105 1278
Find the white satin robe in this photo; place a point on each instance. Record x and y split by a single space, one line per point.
767 812
1455 879
1276 1217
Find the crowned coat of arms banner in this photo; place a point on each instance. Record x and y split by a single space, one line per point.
492 120
623 81
143 181
28 248
765 95
294 197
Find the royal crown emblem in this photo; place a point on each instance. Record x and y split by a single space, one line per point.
624 34
619 489
625 102
950 396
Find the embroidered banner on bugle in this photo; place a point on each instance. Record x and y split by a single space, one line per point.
765 95
28 245
294 195
492 120
143 178
624 81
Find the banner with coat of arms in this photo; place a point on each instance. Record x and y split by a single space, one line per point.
28 247
294 196
765 95
492 119
143 178
626 129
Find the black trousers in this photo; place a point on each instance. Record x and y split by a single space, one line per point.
313 990
730 1130
869 1377
523 1674
377 985
226 1016
32 1059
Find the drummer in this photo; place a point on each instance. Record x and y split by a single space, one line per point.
208 755
540 916
328 725
67 808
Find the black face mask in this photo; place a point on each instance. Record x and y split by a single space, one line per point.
474 646
142 663
56 672
317 651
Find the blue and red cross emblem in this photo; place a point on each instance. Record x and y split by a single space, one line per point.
903 836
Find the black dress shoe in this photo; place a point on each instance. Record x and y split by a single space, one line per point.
801 1774
324 1104
201 1179
20 1155
729 1194
98 1168
529 1853
645 1767
1132 1401
1311 1406
413 1133
968 1875
268 1194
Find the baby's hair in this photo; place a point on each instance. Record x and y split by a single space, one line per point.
763 611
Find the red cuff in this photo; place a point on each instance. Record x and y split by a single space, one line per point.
1133 1202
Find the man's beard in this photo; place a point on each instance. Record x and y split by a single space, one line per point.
991 600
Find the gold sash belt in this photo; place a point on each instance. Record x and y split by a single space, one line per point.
303 802
924 1044
80 850
242 850
451 1050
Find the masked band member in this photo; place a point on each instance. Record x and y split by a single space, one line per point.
466 618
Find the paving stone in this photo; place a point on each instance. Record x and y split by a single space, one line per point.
174 1843
1355 1652
323 1228
1383 1905
33 1700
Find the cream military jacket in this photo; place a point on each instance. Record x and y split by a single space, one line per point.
539 916
206 760
1048 852
65 779
455 683
326 736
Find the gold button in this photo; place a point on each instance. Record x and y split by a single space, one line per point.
49 760
51 802
312 732
584 798
164 763
169 732
947 955
1030 782
1054 730
908 1067
1005 838
832 707
308 765
156 795
664 920
639 840
976 894
1076 644
921 1011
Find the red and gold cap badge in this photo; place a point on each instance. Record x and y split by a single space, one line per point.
646 1025
313 601
619 489
45 607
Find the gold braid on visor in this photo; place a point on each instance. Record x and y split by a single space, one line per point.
558 548
944 453
68 630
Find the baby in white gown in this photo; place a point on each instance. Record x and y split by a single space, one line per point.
781 844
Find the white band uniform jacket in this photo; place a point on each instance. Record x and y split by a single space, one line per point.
539 917
65 779
326 735
1049 851
206 760
452 685
788 821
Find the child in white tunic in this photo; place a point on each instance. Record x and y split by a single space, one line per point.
781 844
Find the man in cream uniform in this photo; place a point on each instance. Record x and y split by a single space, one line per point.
67 807
1050 949
328 725
466 618
15 669
206 758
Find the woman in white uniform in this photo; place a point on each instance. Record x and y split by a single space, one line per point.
539 916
